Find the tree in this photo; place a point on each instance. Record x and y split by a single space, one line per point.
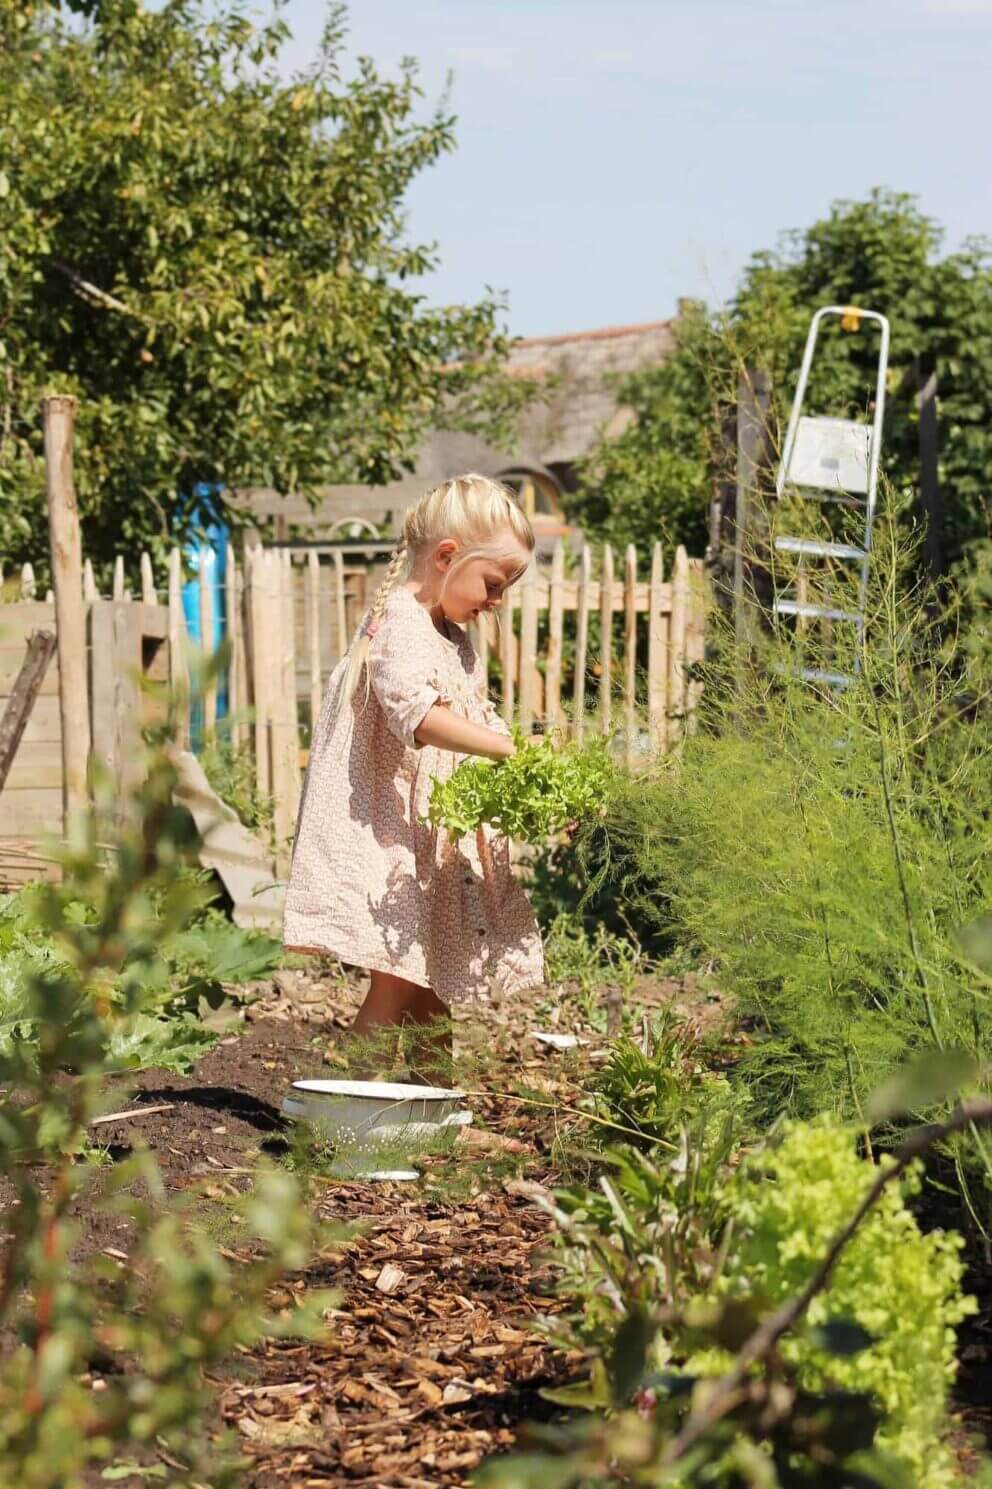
214 260
882 253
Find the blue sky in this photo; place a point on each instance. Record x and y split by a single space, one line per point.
613 156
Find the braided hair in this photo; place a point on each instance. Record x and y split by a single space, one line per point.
472 509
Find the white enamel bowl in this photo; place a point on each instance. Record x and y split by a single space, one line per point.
385 1108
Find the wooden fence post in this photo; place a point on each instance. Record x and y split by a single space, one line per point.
556 612
482 647
256 569
148 595
529 675
58 418
695 640
340 608
312 630
658 631
28 586
207 648
630 651
286 739
89 583
235 655
118 590
581 644
178 662
676 645
606 641
507 649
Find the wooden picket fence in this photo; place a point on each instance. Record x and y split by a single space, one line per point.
583 645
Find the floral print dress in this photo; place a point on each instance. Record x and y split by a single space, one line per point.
370 881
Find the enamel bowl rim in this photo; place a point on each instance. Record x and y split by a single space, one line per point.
377 1091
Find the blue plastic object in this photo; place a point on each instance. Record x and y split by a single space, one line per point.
212 551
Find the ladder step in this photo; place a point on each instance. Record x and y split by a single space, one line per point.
813 548
816 674
832 679
815 612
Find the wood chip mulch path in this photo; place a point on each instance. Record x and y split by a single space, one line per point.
432 1359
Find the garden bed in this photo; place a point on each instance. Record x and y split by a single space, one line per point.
431 1360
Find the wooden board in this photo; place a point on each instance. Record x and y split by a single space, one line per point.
11 661
43 725
40 766
22 617
21 860
30 812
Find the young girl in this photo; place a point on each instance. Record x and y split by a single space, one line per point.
435 920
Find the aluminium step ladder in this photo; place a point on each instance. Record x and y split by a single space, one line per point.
834 460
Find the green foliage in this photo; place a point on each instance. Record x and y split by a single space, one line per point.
535 793
671 1264
586 964
655 1086
232 774
828 853
882 253
648 483
170 977
901 1287
154 1326
824 852
211 255
650 1229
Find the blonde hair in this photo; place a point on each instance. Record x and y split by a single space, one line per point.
472 509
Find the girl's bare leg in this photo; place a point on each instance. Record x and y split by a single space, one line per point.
394 1003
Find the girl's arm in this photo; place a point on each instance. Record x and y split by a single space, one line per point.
445 730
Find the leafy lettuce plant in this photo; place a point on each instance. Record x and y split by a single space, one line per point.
900 1287
531 796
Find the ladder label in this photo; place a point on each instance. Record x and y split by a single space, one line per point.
831 455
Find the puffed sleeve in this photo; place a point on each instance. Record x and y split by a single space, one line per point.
403 670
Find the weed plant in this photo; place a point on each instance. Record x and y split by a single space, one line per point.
588 962
230 769
671 1262
656 1084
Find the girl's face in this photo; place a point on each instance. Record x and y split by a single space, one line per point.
473 588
